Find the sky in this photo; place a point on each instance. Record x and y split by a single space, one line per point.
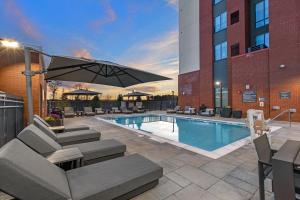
141 34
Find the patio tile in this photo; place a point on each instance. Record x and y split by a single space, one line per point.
191 192
217 168
245 175
268 196
208 196
192 159
240 184
165 188
197 176
180 180
225 191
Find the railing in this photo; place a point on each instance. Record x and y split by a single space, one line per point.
11 117
289 111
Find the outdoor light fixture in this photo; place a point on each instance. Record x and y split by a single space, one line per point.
282 66
9 43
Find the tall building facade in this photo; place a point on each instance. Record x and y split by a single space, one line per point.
240 53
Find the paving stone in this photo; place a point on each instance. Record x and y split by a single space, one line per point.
268 196
165 188
218 168
191 192
245 175
208 196
192 160
240 184
180 180
197 176
225 191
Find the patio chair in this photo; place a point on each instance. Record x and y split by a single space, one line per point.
140 108
26 175
99 111
124 109
88 111
62 128
207 112
172 111
68 138
188 110
93 152
69 112
265 154
115 110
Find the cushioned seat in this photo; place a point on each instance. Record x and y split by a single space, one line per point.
92 151
113 178
68 138
99 151
66 129
26 175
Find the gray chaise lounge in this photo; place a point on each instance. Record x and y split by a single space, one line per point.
69 112
88 111
65 129
93 152
26 175
68 138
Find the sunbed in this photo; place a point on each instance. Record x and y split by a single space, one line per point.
92 151
72 137
26 175
140 108
99 111
207 112
188 110
115 110
61 128
69 112
172 111
88 111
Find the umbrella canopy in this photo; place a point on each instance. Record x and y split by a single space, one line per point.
97 72
137 94
81 92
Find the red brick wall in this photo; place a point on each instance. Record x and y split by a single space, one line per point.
206 54
250 69
285 49
188 89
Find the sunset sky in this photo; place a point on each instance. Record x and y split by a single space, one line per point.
139 33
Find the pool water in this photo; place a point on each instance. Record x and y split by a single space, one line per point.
206 135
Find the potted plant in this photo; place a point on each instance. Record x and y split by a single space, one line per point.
226 112
54 120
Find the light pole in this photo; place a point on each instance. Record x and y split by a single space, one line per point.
219 83
28 73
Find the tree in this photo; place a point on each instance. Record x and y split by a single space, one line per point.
54 86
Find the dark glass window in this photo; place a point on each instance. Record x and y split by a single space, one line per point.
235 17
263 39
235 49
221 51
221 22
217 1
262 13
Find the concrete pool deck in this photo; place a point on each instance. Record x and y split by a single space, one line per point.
188 175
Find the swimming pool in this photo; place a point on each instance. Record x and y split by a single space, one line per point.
203 134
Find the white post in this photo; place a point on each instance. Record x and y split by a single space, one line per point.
28 75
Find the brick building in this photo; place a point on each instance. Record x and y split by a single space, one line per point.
251 46
12 80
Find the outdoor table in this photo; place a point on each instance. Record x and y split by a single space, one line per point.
72 155
283 170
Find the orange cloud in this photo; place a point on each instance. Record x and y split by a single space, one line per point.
16 14
82 53
110 15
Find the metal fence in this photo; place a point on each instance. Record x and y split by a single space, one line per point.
11 117
78 105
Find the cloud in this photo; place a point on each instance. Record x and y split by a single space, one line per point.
18 16
82 53
110 15
173 3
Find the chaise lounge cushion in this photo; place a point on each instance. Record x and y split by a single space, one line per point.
38 141
99 149
113 178
73 137
26 175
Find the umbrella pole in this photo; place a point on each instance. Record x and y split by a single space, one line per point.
28 84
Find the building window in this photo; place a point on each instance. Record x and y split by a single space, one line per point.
221 51
217 1
235 49
235 17
221 22
262 14
263 39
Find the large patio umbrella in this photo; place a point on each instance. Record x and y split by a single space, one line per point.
81 92
136 94
97 72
